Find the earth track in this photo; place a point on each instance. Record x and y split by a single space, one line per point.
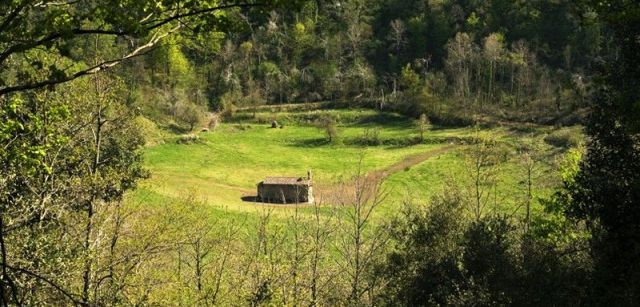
407 162
341 192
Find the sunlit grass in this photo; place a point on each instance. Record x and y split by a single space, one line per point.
226 164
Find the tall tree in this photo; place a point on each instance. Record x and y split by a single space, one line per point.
607 188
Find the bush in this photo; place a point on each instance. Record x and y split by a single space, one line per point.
565 138
422 125
371 137
228 101
328 124
152 133
190 114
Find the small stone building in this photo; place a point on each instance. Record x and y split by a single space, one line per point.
286 190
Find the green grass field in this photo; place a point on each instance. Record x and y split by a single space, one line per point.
226 164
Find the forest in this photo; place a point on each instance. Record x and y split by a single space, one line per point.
464 152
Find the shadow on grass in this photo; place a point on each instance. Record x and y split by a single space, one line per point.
387 120
309 143
403 142
250 199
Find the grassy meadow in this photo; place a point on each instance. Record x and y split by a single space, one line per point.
225 164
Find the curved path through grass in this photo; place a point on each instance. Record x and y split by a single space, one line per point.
330 191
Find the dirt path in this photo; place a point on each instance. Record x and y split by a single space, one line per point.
409 161
336 191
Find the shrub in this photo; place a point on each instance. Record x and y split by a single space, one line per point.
328 124
214 121
228 101
421 125
371 137
152 133
190 114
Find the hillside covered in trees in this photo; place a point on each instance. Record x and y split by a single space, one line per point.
102 104
516 60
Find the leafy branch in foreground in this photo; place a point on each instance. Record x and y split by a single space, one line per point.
28 26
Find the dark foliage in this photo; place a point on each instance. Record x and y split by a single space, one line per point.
607 189
442 260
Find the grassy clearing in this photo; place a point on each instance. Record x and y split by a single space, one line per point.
225 165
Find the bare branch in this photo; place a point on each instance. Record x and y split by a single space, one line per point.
141 50
46 280
148 24
199 12
12 16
